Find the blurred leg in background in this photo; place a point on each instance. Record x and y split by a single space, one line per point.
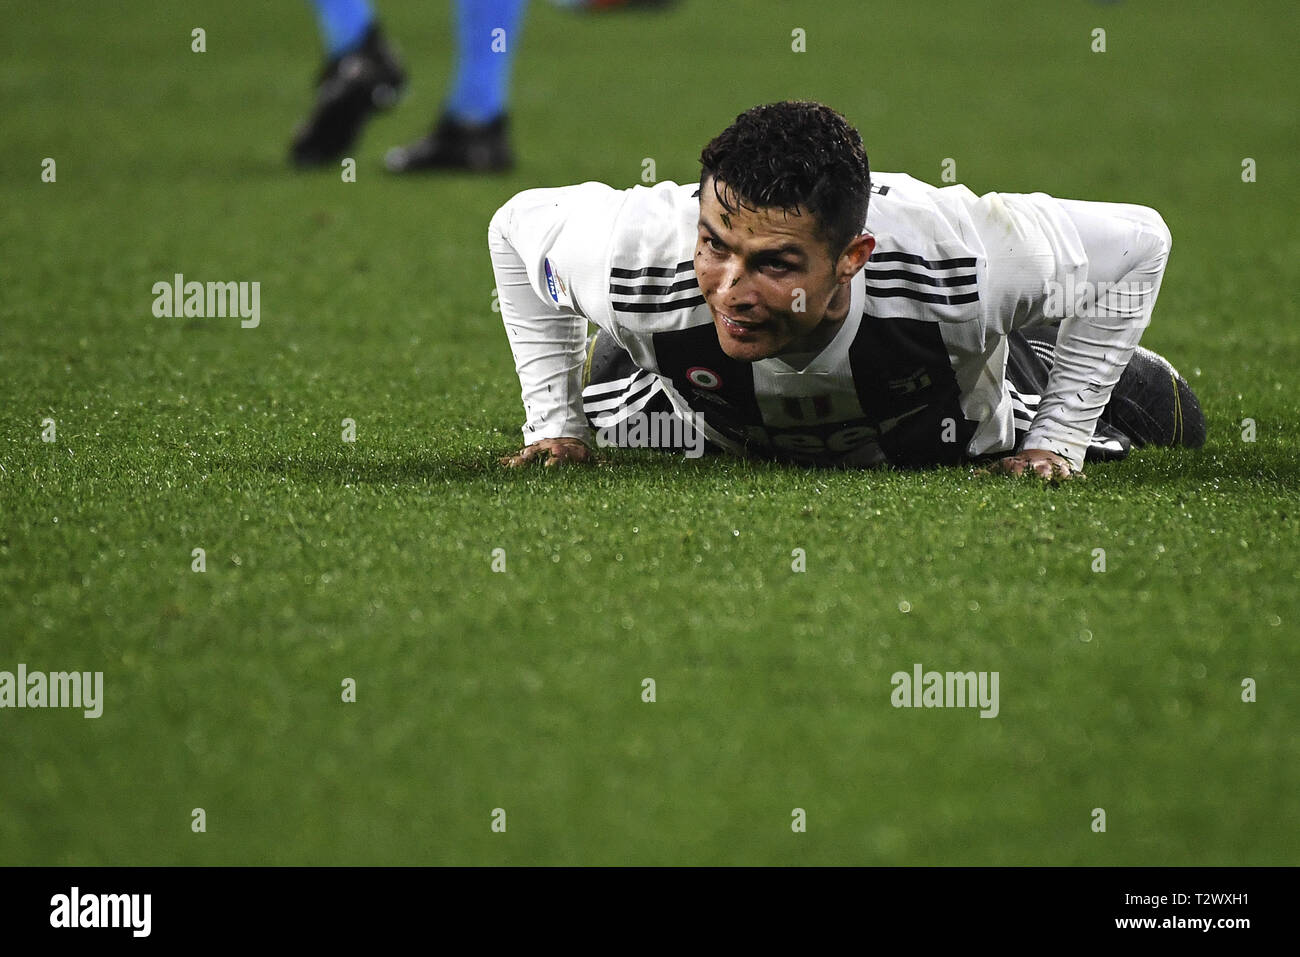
472 131
362 75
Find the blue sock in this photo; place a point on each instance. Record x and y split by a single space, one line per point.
484 57
343 23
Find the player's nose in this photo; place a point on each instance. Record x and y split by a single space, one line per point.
735 290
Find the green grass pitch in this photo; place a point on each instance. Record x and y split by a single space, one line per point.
522 690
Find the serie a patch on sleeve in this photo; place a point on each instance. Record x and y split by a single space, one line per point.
555 285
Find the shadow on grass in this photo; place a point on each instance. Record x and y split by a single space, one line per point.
1257 468
478 466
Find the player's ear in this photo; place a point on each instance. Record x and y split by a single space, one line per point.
855 256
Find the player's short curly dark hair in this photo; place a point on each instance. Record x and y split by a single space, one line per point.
793 155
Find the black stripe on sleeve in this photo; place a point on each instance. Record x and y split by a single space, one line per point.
681 284
922 278
658 271
894 292
964 263
668 306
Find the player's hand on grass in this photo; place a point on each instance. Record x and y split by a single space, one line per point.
1040 462
550 452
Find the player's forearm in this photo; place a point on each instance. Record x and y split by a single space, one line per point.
548 360
548 347
1127 248
1091 353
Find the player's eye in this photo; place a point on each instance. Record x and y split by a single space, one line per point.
712 243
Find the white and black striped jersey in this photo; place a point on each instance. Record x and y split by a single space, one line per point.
922 353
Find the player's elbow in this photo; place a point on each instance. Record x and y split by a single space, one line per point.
516 209
1155 235
499 224
504 226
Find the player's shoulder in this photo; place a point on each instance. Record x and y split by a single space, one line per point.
656 224
911 206
926 262
663 203
651 264
580 201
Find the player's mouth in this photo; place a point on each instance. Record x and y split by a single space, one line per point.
738 329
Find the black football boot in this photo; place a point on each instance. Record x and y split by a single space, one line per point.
351 88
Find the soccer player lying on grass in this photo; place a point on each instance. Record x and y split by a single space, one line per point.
795 307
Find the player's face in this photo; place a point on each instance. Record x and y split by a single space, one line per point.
770 279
